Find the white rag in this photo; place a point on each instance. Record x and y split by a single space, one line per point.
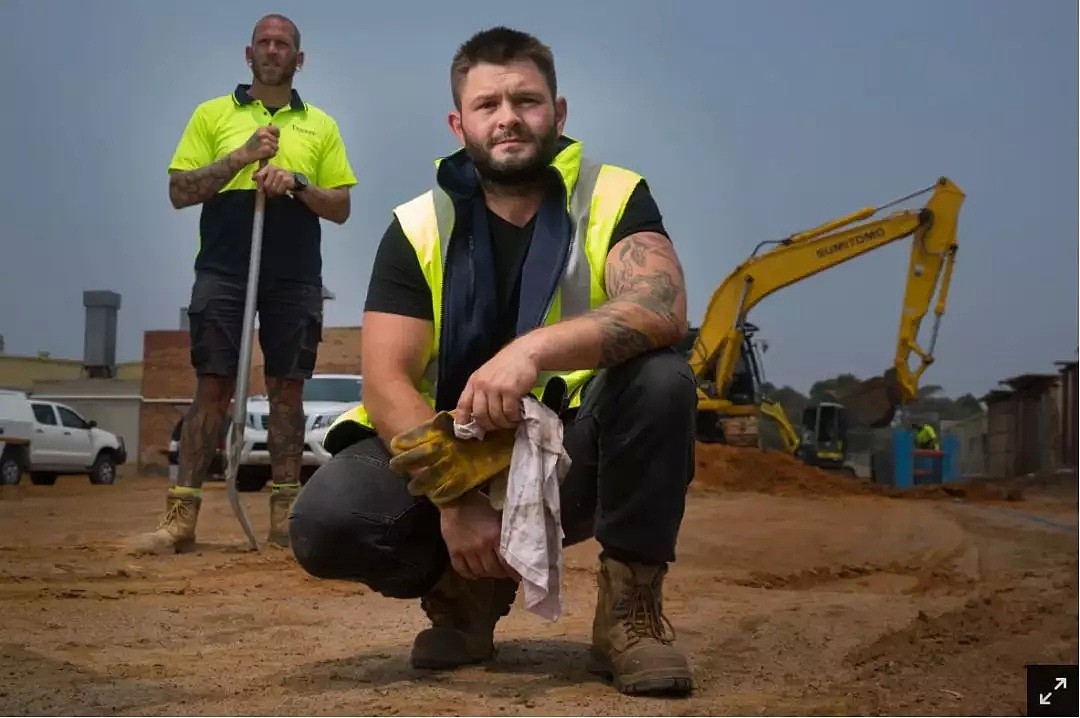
532 535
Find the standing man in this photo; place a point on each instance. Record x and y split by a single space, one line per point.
925 436
307 178
526 269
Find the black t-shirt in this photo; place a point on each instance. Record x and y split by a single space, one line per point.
398 286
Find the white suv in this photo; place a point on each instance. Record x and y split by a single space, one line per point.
326 397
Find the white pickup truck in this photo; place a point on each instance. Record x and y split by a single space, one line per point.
60 442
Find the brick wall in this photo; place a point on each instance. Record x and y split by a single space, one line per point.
168 382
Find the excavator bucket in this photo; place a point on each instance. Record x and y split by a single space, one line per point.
874 401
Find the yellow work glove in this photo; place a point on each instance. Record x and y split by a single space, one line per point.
442 466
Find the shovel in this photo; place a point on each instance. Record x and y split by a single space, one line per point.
247 338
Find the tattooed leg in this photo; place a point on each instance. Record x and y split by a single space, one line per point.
200 435
286 440
286 429
200 438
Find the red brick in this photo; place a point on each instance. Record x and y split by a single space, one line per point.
167 374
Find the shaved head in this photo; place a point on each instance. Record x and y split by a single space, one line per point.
278 18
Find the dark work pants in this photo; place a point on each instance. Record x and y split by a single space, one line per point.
632 449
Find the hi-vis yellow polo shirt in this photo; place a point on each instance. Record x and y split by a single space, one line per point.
309 143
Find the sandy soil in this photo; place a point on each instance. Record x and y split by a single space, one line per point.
795 592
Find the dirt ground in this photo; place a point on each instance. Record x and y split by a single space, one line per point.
795 592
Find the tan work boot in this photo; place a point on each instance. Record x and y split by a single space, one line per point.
463 614
281 500
175 532
629 643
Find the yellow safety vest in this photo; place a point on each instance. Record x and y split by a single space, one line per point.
927 437
596 197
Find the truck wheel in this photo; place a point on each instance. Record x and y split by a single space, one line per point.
104 469
39 478
10 469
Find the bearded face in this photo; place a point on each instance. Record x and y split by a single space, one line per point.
514 155
509 124
273 55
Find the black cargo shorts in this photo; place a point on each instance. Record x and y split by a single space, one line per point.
289 322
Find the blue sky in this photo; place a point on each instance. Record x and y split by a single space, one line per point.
751 120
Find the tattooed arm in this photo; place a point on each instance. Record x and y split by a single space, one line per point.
195 186
646 310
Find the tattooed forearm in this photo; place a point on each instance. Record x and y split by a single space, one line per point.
285 436
621 339
198 185
646 310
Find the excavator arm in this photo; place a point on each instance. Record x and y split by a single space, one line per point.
719 343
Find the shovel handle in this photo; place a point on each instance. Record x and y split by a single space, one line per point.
236 431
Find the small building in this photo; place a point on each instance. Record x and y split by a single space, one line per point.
971 435
1069 409
1025 426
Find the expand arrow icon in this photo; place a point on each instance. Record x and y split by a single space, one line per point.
1061 683
1044 699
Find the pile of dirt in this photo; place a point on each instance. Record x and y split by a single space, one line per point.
772 472
729 468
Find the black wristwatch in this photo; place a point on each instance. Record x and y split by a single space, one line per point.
300 182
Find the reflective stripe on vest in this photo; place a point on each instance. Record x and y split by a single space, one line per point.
596 204
576 291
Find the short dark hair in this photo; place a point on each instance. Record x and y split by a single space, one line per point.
500 46
282 18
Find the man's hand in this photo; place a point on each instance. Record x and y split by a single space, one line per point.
444 467
274 181
492 396
262 145
471 529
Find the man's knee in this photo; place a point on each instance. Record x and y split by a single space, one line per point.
354 520
215 392
659 383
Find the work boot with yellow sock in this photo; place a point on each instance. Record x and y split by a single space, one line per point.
463 615
629 643
281 501
175 532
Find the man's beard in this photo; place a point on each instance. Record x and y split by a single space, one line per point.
514 171
274 76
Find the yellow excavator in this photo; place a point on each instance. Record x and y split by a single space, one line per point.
726 360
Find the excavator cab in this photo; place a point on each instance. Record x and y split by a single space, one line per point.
824 437
749 418
746 380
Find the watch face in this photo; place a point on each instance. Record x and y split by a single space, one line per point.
301 181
